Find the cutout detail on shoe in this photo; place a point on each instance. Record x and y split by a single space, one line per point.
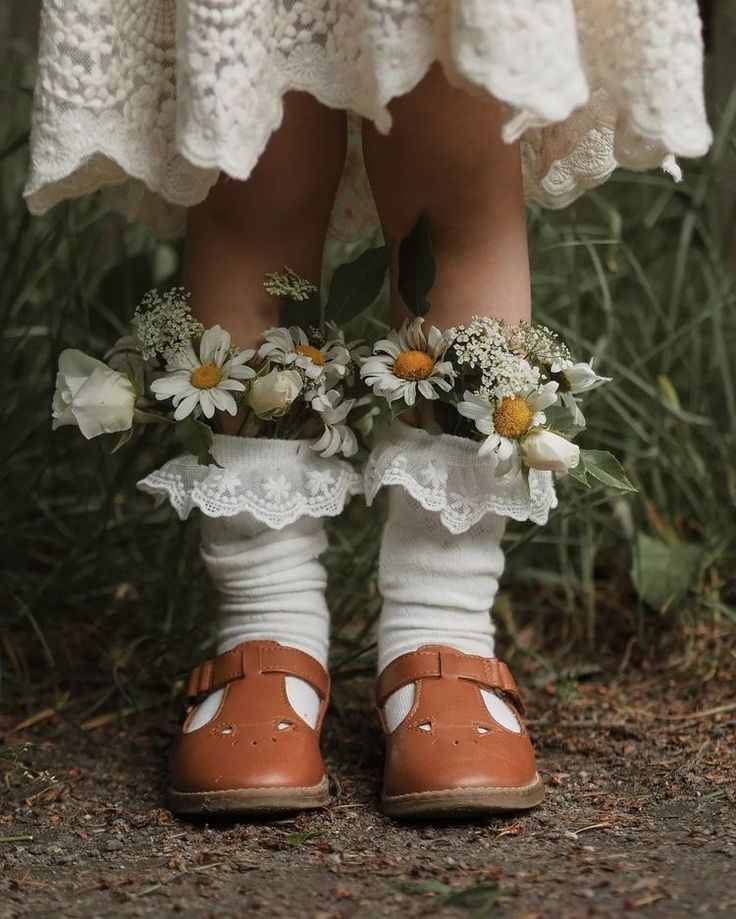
425 726
284 725
501 711
205 711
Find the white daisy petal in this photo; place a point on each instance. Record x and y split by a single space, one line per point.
241 373
489 445
206 403
230 384
223 401
186 407
208 346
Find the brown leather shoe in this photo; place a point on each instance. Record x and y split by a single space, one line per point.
449 756
256 754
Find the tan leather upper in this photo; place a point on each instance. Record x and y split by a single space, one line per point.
256 739
449 740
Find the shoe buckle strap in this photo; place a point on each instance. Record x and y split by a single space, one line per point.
214 674
292 662
256 657
488 672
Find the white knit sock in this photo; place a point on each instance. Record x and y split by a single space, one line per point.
271 587
438 588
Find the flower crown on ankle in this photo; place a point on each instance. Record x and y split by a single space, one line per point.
514 388
170 370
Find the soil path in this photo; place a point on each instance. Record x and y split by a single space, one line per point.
639 818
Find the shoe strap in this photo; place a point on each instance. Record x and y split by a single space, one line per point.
437 663
256 657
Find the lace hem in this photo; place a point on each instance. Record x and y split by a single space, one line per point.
185 97
445 474
277 481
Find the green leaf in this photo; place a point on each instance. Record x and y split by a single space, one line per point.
196 437
481 899
560 420
143 417
123 439
663 572
580 474
603 466
356 285
398 407
299 837
417 268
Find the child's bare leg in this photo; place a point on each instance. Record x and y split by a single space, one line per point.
445 157
270 580
278 217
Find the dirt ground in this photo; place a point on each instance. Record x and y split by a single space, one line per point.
640 817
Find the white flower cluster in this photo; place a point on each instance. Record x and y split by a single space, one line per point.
538 344
510 376
173 370
163 324
487 347
316 369
289 285
503 378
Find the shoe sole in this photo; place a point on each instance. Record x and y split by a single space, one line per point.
249 801
456 802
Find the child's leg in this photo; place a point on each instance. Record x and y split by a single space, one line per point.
250 741
445 157
243 230
278 217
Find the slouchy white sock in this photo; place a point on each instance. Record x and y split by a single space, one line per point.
271 587
263 506
438 588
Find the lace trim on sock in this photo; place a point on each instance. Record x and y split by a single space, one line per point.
277 481
445 474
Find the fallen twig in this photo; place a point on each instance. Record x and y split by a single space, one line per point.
43 715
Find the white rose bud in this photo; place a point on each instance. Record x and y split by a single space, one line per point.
546 450
579 377
273 394
92 396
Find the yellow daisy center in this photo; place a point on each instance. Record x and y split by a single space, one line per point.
512 417
206 377
413 365
314 354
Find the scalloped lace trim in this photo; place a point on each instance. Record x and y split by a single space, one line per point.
277 481
152 100
445 474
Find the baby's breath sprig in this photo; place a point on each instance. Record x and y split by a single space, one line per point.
163 324
537 343
289 284
483 347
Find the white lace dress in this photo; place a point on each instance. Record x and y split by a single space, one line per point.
151 99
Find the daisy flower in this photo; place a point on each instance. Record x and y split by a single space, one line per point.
408 362
574 379
291 348
506 421
337 436
206 380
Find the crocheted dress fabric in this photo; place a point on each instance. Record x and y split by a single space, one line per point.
151 99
